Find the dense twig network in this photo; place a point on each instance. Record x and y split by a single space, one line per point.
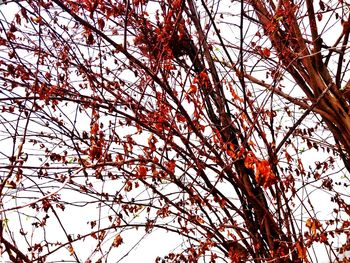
221 124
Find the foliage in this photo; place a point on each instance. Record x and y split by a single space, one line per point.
226 123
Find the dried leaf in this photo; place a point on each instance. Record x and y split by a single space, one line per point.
118 240
101 23
301 251
37 20
71 249
266 52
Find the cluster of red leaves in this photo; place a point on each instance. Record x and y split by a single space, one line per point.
263 172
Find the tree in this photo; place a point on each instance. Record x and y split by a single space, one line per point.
223 122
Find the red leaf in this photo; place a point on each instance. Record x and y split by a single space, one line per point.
192 89
266 52
142 172
37 20
301 251
101 23
118 240
249 161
